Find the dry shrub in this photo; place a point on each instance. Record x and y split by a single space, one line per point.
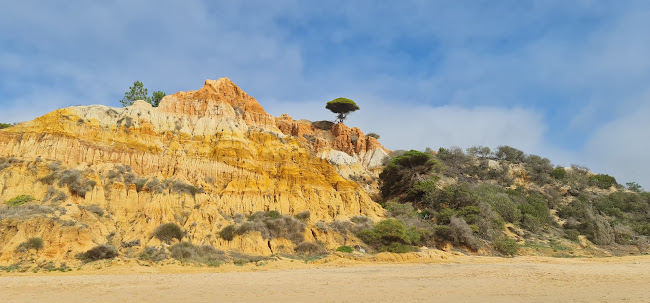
168 231
461 233
76 183
303 215
205 254
98 253
154 254
310 249
272 225
25 211
31 243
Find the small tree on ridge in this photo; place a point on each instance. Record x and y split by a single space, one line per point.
342 107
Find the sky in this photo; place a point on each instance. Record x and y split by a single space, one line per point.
566 80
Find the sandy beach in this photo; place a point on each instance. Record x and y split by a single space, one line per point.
464 279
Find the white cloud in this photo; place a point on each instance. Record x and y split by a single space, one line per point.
418 127
622 147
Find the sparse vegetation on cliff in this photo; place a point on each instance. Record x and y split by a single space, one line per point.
139 92
98 253
168 231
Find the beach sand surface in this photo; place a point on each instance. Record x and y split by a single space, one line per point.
463 279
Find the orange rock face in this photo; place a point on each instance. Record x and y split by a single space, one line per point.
230 155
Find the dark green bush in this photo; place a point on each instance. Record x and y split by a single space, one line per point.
539 169
98 253
345 249
31 243
389 231
19 200
228 233
453 196
602 181
511 154
535 212
168 231
399 175
506 246
559 173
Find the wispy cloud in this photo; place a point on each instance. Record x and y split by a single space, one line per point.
550 77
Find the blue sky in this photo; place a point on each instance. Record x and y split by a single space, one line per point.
568 80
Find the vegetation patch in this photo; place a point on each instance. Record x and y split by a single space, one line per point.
204 254
31 243
19 200
168 231
99 252
506 246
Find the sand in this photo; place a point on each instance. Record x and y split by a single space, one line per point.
461 279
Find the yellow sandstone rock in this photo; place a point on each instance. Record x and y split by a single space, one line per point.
215 151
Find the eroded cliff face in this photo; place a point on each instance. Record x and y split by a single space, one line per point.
198 160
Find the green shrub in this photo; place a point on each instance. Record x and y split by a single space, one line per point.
455 160
204 254
539 169
398 176
19 200
310 249
602 181
345 249
273 214
443 217
479 151
31 243
453 196
511 154
228 233
559 173
535 212
506 246
389 231
98 253
168 231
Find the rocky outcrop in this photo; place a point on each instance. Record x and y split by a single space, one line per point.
199 159
352 152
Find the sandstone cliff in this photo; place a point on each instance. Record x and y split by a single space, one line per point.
112 175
